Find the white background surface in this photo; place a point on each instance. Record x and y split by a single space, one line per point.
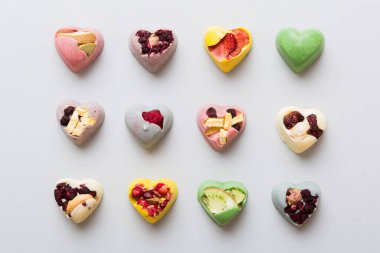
35 153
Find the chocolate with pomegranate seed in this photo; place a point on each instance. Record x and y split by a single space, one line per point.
149 125
296 202
300 128
153 49
78 199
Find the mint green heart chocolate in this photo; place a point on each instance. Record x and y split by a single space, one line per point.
222 201
296 202
299 49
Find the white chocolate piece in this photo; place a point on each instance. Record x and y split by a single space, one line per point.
297 138
80 130
83 205
148 133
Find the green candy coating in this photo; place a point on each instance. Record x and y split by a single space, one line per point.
299 49
225 216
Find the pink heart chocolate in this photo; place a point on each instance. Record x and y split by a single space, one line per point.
80 121
78 47
221 125
153 50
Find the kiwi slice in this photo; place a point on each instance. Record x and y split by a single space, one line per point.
218 200
238 196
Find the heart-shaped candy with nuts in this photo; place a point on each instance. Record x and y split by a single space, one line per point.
300 128
152 199
78 199
227 47
153 49
220 125
296 202
149 125
222 201
80 121
78 47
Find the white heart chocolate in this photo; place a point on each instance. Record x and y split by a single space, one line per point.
149 125
297 203
153 49
300 128
78 199
80 121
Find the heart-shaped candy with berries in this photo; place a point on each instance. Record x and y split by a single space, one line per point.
299 49
149 124
222 201
296 202
227 47
80 121
152 199
78 199
153 49
221 125
300 128
78 47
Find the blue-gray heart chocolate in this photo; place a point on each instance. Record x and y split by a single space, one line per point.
296 202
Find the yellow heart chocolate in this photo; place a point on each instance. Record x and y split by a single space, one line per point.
227 48
152 198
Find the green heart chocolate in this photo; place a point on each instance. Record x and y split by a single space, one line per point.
222 201
299 49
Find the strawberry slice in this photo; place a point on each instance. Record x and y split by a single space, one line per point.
154 117
231 45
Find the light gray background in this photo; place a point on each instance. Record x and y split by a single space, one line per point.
35 153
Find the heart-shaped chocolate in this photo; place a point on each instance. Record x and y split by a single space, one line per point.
78 199
300 128
153 49
78 47
80 121
227 47
221 125
299 49
296 202
222 201
149 125
152 199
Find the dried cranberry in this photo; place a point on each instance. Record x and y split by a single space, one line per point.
232 111
142 202
71 194
142 40
165 35
84 204
145 50
65 120
296 218
137 192
64 206
69 110
211 112
237 126
309 208
292 119
288 209
305 193
154 117
314 129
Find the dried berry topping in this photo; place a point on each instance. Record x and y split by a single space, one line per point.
237 126
299 212
65 120
232 111
152 200
154 117
165 38
314 129
292 119
69 110
211 112
63 193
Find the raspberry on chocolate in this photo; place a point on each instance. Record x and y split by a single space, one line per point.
154 117
314 129
292 119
